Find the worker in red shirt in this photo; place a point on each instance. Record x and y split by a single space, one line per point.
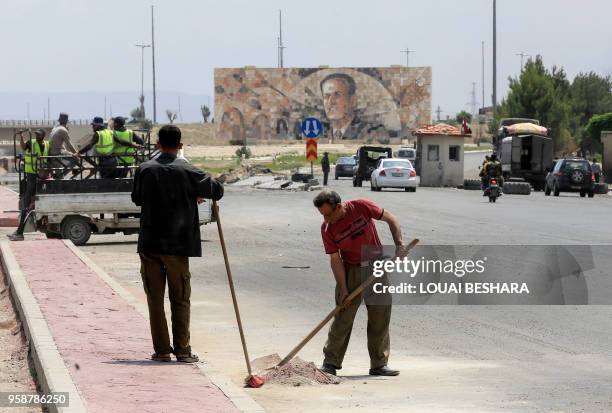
347 228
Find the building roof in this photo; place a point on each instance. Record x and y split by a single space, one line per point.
440 129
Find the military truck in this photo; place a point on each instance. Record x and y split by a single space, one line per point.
526 153
367 158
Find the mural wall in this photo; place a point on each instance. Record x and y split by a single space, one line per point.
353 103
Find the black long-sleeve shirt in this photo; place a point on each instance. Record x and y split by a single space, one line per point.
166 189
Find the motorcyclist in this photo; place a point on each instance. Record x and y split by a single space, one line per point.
492 169
484 181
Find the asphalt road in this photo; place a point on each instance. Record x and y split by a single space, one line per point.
452 358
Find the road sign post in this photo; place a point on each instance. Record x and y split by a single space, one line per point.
312 128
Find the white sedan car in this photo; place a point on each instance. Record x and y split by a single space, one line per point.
394 173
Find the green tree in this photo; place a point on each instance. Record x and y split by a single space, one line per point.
592 95
541 94
598 124
463 115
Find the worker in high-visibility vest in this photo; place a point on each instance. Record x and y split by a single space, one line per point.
125 150
33 150
103 142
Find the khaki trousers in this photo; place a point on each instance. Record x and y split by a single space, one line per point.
339 334
156 270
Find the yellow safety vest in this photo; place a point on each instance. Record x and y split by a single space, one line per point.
104 146
31 155
121 150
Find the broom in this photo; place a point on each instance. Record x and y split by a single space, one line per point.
251 380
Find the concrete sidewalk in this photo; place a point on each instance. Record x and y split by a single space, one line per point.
9 201
103 341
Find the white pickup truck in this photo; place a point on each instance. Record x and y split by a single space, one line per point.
75 209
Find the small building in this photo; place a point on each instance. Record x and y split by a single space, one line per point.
440 155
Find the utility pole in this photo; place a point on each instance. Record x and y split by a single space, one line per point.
180 113
153 61
522 55
104 107
473 103
281 47
142 47
28 110
483 74
407 51
48 108
438 113
494 57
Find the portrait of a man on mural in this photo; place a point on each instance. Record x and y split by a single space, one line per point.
359 104
339 92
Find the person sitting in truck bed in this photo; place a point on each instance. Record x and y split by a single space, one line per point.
123 139
103 141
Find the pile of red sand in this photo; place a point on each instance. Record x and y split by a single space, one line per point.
295 373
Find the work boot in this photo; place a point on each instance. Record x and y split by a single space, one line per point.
328 368
384 371
15 237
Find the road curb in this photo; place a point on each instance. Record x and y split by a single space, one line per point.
238 396
53 375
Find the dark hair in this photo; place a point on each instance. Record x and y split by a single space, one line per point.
169 136
350 82
327 197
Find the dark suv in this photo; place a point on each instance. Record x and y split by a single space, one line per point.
344 167
570 175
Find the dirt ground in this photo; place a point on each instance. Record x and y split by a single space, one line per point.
14 368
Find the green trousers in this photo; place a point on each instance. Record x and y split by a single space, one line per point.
156 270
339 334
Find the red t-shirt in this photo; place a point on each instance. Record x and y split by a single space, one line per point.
354 231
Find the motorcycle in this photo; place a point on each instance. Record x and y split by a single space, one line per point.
493 191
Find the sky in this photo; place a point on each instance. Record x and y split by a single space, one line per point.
69 48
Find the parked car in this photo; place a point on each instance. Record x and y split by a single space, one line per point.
344 167
407 153
394 173
570 175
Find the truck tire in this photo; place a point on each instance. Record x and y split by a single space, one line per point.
508 188
517 188
77 229
601 188
472 184
523 188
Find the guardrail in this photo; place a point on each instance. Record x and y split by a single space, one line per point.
38 123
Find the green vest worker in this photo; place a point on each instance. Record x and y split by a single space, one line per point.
125 153
32 151
126 143
104 142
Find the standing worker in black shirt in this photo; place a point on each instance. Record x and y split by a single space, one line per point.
169 189
325 167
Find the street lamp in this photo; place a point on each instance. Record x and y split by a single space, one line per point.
142 47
